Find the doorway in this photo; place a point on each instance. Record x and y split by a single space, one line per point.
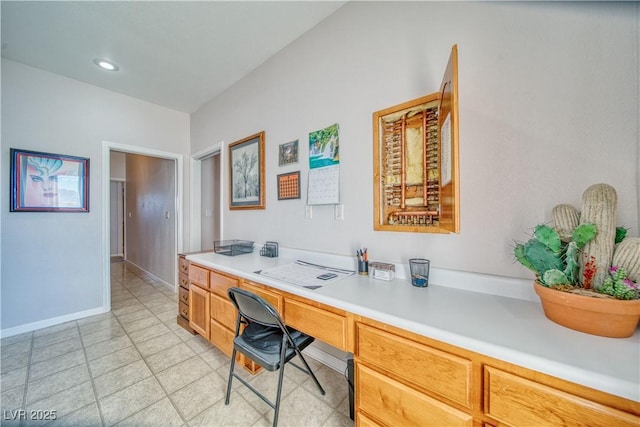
152 212
117 229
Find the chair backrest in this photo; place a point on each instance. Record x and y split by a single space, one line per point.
254 308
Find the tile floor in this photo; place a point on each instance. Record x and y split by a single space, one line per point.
135 366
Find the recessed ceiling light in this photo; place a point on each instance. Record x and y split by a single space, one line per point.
106 65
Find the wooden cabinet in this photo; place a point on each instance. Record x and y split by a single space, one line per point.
183 293
403 378
400 381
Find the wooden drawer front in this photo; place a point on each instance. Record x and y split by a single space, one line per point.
442 373
183 309
219 283
183 280
321 324
183 265
222 337
199 276
396 404
514 400
223 311
183 295
271 297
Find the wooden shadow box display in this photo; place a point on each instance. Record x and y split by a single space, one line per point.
416 161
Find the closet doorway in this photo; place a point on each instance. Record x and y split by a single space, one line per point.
210 213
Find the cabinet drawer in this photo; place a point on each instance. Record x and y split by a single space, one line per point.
442 373
183 265
221 337
396 404
183 309
183 280
271 297
219 283
223 312
199 276
514 400
321 324
183 294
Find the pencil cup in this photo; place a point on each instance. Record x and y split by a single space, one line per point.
419 268
363 267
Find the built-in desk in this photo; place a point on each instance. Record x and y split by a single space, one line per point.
440 355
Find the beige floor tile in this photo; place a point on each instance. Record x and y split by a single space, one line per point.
55 329
142 313
237 413
54 350
102 365
27 336
120 378
215 358
334 384
55 383
144 323
11 398
56 364
12 348
126 306
168 357
159 343
12 362
88 416
126 402
161 413
196 397
338 420
302 408
178 376
199 344
266 383
148 333
67 401
56 337
100 325
108 346
93 319
103 335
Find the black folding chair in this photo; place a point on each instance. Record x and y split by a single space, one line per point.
267 341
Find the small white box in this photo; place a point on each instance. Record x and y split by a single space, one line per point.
382 270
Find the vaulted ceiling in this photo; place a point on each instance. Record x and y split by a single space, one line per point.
177 54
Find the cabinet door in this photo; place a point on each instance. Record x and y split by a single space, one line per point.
199 310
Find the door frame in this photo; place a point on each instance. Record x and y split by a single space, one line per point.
107 147
196 191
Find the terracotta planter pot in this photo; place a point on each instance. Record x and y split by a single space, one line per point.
597 316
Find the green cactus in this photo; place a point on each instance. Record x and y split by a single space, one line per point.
571 261
554 262
583 234
548 237
541 257
621 233
554 277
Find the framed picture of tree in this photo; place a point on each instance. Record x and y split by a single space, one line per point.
246 173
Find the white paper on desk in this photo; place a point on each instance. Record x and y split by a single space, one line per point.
305 274
324 186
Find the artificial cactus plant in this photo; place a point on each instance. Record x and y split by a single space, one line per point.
581 249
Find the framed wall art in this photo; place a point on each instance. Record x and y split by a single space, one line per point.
246 173
46 182
288 153
289 186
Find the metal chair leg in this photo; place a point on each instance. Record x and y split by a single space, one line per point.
310 372
233 362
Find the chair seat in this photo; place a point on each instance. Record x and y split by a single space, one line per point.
267 359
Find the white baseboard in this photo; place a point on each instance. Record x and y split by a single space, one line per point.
17 330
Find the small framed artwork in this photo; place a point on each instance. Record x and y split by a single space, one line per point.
288 153
289 186
246 173
45 182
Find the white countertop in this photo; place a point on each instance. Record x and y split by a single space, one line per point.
509 329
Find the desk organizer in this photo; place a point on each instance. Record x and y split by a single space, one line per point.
269 249
382 270
232 247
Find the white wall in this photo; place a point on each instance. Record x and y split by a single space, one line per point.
548 106
52 263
